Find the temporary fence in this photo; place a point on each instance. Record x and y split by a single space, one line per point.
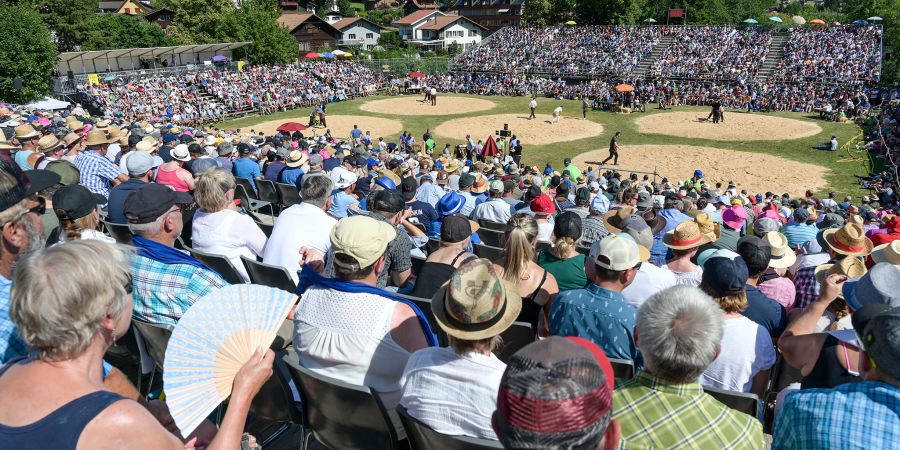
403 66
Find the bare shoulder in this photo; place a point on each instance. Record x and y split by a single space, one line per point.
126 425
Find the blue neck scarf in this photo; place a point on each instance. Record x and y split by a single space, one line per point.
163 253
309 278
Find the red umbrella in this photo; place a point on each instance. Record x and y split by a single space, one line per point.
290 127
490 147
312 55
416 74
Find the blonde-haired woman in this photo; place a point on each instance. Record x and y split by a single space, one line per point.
218 227
56 399
76 208
536 286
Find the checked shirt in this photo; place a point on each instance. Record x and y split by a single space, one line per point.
655 414
163 292
97 172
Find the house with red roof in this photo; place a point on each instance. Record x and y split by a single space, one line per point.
433 29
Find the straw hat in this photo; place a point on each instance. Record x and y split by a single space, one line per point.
481 184
849 267
26 132
614 218
452 166
849 240
6 145
296 159
48 143
147 145
99 137
710 229
685 236
889 253
476 303
70 139
782 254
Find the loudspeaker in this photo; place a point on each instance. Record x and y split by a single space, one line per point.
70 75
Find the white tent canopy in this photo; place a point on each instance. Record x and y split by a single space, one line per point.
122 59
48 104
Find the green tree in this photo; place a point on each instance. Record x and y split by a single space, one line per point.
198 21
65 18
390 39
346 8
561 11
536 12
26 53
109 31
613 12
256 21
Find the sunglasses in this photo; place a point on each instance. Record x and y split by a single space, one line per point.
41 208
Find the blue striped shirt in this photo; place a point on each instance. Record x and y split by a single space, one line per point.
97 172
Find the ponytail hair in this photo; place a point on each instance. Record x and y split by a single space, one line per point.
521 231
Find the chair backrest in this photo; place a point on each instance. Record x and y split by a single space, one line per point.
422 437
275 402
220 264
518 335
288 193
241 193
744 402
541 246
268 192
266 228
432 245
247 185
491 225
417 263
341 415
156 338
424 304
486 251
583 250
119 231
491 237
268 275
622 368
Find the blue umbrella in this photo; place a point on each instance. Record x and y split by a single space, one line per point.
218 58
860 22
776 19
751 21
328 55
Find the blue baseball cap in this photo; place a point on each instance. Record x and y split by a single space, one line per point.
451 203
698 173
726 276
386 182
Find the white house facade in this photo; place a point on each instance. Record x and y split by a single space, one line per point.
357 31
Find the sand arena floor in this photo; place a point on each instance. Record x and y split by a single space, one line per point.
340 126
755 172
412 105
738 126
531 132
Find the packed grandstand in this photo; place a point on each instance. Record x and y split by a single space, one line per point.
461 288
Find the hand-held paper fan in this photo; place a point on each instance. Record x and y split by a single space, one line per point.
212 341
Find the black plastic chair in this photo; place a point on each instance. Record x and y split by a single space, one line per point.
622 368
432 245
541 246
341 415
518 335
268 275
425 305
491 225
250 204
266 228
247 185
119 231
583 250
422 437
417 264
220 264
273 409
486 251
267 191
289 194
491 237
744 402
156 339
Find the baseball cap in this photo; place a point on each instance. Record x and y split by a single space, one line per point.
75 201
466 180
755 252
456 228
567 224
801 214
880 285
345 180
201 165
725 276
244 148
409 185
496 186
617 253
150 201
362 238
553 392
542 204
385 182
27 183
139 163
878 332
764 225
67 172
698 173
387 200
315 159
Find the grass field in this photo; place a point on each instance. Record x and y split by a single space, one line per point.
840 177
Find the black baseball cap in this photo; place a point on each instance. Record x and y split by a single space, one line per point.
75 201
244 148
456 228
148 202
755 252
567 224
27 183
353 160
388 200
409 186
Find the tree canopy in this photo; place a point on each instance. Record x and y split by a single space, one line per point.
110 31
26 53
257 21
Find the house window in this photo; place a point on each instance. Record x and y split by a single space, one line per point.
137 10
471 33
127 10
351 36
370 36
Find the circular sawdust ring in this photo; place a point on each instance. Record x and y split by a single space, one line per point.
340 126
539 131
414 106
738 126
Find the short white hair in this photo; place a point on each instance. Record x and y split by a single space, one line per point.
679 332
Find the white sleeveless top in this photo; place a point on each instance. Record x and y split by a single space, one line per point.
347 336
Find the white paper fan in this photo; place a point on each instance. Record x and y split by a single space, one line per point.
212 341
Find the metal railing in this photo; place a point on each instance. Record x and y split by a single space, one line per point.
66 85
402 66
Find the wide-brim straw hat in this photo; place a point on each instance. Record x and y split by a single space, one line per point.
49 143
452 166
849 240
710 229
26 132
888 253
849 267
6 145
296 159
476 303
783 255
685 236
99 137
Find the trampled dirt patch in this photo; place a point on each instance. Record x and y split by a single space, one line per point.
534 132
340 126
738 126
412 105
755 172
